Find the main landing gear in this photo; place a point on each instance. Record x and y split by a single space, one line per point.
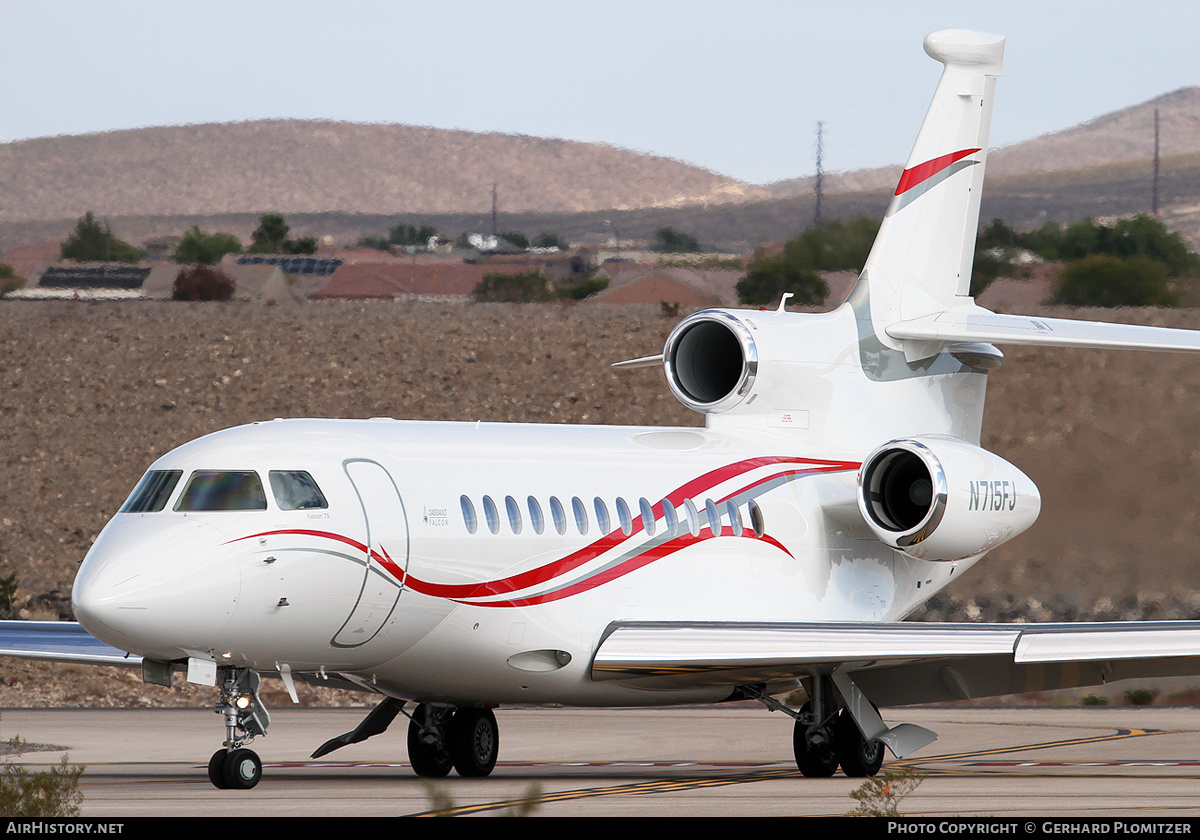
824 737
440 738
233 766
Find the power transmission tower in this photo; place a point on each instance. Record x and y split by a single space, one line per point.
1155 199
819 185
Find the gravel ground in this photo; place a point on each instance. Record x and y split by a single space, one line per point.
91 393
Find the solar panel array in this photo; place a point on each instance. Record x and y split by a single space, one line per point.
318 266
109 276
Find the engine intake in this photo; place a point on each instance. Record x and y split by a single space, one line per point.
940 498
711 361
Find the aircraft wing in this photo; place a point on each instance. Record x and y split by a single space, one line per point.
899 663
59 641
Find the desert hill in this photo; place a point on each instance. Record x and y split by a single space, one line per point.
316 166
344 180
1118 137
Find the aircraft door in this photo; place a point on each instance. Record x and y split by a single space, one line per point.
386 559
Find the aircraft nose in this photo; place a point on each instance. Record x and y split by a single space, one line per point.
158 585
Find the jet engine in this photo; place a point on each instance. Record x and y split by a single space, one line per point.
711 361
941 498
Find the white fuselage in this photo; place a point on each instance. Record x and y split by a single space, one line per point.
471 562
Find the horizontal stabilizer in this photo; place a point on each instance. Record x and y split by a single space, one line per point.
973 324
59 641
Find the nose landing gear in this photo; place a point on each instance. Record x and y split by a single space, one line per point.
233 766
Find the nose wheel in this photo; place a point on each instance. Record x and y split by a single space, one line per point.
233 767
238 769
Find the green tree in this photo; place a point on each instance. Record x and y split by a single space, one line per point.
409 236
9 281
306 245
269 236
526 287
835 245
1103 280
93 241
551 240
768 278
1139 236
200 248
515 238
667 240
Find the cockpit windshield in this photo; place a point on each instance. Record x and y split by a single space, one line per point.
211 490
152 492
296 490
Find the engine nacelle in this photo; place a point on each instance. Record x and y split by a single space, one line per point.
941 498
711 361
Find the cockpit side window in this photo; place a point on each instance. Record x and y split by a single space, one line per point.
152 492
296 490
213 490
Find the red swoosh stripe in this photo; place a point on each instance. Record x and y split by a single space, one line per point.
468 593
572 561
925 171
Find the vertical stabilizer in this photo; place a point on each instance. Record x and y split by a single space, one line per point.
921 261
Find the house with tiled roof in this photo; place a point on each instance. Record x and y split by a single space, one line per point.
445 280
653 284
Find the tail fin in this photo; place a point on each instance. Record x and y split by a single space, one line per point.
921 260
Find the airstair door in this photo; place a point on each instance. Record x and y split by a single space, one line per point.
385 560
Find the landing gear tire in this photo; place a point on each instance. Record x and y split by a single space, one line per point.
858 756
243 769
237 770
817 761
474 742
216 769
429 757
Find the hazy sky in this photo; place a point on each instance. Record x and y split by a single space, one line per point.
736 87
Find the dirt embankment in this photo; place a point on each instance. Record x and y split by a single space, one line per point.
90 394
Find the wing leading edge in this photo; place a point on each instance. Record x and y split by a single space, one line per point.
899 663
59 641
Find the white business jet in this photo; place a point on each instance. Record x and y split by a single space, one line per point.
452 568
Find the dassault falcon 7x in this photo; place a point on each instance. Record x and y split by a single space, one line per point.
453 568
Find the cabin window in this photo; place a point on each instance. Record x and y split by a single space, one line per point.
670 519
580 511
296 490
602 520
514 514
735 517
152 492
691 517
647 516
469 517
756 519
491 515
558 515
536 519
624 516
714 517
224 490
